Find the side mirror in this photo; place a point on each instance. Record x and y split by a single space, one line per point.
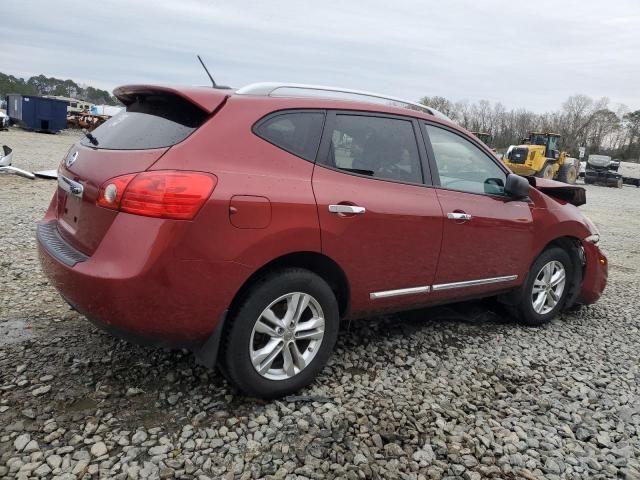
517 187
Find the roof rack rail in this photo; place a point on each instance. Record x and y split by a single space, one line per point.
274 89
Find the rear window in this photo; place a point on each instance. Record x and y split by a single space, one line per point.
296 132
151 121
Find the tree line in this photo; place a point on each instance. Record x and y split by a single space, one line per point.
581 120
42 85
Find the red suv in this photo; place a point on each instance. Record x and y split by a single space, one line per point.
245 224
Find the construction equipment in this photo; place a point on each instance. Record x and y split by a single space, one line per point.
539 155
485 137
601 170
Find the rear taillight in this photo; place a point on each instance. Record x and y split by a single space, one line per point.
164 194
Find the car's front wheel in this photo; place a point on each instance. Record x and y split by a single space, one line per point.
546 288
281 334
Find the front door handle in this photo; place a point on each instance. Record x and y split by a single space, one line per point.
346 209
458 216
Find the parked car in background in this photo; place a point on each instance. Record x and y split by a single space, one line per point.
245 224
4 121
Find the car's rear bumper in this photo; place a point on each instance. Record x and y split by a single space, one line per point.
137 284
594 279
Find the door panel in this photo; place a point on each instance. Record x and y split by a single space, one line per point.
495 242
393 245
378 220
487 236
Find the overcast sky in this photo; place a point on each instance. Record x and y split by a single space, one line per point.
521 53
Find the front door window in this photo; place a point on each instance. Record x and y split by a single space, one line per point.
463 166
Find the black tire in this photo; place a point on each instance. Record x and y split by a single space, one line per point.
235 359
546 172
567 173
524 310
614 182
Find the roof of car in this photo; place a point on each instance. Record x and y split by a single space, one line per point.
299 90
208 98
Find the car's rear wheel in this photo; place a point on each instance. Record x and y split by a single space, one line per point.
281 335
546 288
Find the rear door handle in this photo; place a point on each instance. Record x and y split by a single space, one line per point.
346 209
458 216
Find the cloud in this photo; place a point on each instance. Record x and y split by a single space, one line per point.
524 54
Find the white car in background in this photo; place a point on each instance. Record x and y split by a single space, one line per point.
4 121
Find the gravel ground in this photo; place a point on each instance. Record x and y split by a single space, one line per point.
458 392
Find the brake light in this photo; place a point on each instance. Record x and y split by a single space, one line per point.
163 194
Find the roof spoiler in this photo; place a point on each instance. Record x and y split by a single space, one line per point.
206 98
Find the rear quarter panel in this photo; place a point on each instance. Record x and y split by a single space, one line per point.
246 165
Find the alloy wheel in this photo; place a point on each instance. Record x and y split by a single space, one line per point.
287 336
548 287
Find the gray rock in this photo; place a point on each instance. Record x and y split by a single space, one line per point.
552 466
21 441
29 413
425 454
42 471
394 450
99 449
159 450
457 469
469 461
139 437
603 439
359 459
133 391
32 446
54 461
41 390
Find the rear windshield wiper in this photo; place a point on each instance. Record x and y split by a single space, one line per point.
358 170
89 135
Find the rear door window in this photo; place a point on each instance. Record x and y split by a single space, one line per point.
296 132
151 121
378 147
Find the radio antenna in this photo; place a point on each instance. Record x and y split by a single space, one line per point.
213 82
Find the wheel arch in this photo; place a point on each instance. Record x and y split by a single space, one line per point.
318 263
573 246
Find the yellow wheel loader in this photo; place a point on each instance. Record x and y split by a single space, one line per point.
485 138
539 156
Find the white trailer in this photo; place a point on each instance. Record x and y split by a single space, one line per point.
630 173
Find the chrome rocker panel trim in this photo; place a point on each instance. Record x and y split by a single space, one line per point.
398 292
440 287
474 283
